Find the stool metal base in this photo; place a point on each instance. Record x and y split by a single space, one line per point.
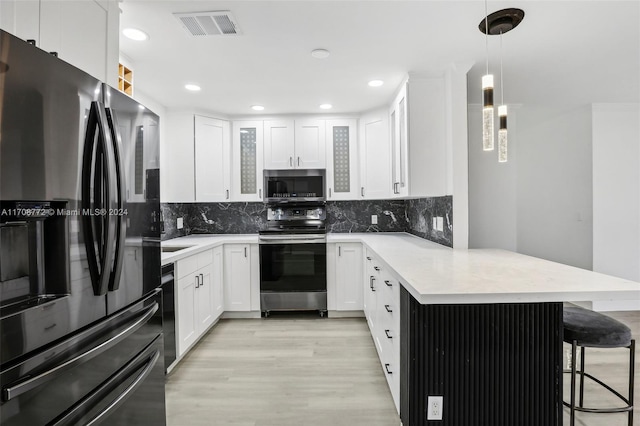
572 405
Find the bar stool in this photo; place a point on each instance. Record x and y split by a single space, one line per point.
586 328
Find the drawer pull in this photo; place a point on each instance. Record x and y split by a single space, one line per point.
388 308
388 283
388 335
49 327
386 367
376 268
368 258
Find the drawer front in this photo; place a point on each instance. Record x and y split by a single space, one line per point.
186 266
205 258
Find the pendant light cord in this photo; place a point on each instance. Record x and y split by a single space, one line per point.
486 32
501 81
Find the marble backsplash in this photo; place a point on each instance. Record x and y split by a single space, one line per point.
413 216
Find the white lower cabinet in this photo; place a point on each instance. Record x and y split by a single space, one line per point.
349 277
382 309
196 297
237 277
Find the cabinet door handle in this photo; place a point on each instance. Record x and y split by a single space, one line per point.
388 335
260 193
227 194
376 268
395 188
197 281
386 367
290 161
298 161
362 190
388 283
329 192
201 280
388 308
371 280
368 258
339 251
245 252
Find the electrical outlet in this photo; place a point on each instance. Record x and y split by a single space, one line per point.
434 408
180 223
440 223
434 223
374 219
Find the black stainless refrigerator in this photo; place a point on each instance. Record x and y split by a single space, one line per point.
80 310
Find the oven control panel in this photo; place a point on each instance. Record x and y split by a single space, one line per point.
296 213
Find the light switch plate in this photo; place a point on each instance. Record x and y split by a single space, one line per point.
179 223
374 219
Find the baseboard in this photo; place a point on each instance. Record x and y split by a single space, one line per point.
616 305
345 314
241 315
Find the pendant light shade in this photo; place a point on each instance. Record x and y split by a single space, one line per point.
502 134
487 112
497 23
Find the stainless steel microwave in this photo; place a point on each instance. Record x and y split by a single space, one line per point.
284 186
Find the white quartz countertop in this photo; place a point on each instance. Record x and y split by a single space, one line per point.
201 242
435 274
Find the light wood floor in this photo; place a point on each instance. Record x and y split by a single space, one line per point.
322 372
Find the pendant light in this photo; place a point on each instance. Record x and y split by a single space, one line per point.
502 117
499 22
487 96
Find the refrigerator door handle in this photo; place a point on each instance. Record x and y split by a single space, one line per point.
18 388
121 229
144 362
98 165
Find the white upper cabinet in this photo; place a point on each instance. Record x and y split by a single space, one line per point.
212 159
298 144
342 159
279 145
83 33
309 152
247 165
375 150
398 121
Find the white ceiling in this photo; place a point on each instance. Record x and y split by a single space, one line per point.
562 52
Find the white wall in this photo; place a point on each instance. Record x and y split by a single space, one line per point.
492 188
554 196
616 190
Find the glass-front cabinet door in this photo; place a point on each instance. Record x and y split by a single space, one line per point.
342 160
247 157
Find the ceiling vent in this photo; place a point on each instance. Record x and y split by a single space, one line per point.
204 24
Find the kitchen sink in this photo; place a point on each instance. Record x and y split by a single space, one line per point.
173 249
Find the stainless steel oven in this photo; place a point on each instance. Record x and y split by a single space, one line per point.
293 259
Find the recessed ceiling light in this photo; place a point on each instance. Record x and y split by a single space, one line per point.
192 87
257 107
326 106
376 83
135 34
320 53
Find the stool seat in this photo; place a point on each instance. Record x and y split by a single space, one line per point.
589 328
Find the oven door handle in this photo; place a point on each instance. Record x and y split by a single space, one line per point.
290 240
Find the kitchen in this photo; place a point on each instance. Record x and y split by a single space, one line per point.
449 196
